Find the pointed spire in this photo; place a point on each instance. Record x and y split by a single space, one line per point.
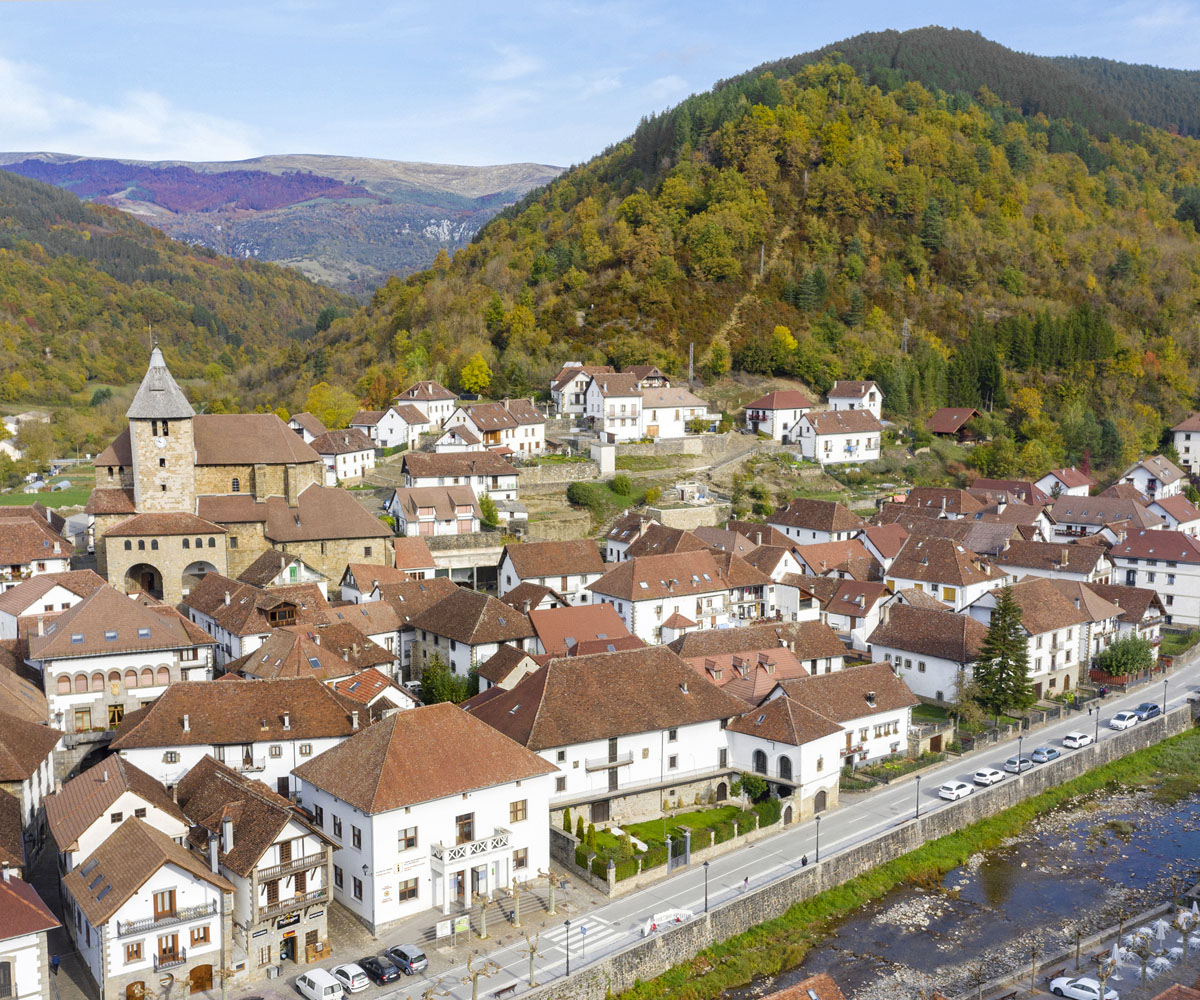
159 396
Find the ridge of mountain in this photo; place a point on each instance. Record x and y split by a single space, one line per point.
348 221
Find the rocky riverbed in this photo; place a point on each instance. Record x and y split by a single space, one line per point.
1104 857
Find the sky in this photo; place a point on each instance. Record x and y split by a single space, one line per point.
454 82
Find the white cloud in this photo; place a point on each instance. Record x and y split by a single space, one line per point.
514 64
140 125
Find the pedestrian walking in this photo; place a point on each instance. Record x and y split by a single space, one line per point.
746 882
54 961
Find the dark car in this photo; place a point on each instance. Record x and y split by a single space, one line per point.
380 968
409 957
1147 710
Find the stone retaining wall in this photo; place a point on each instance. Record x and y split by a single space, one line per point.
554 476
656 954
688 518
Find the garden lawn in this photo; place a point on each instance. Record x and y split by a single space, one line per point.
651 832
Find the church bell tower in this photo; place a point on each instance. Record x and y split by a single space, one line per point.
161 440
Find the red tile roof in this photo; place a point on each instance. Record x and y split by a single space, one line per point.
24 746
784 399
843 422
950 419
1173 546
412 553
545 559
648 578
559 629
22 910
403 760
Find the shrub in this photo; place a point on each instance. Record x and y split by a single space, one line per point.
581 494
768 811
654 857
621 485
722 832
745 820
625 869
489 515
581 857
600 867
567 820
653 495
580 830
591 837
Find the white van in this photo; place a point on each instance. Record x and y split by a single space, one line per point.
317 984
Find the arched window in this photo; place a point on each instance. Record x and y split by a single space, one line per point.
141 545
128 545
212 543
164 676
187 543
819 801
147 677
97 681
199 543
114 677
81 683
237 485
785 768
131 678
760 762
64 684
154 544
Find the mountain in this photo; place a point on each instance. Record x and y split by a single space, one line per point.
1166 98
82 284
956 247
347 221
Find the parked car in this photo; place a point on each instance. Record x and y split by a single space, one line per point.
1073 741
1083 988
1043 754
988 776
380 968
1015 765
1123 720
953 790
409 958
317 984
351 976
1147 710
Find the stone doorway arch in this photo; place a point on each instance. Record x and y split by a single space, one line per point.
194 572
144 578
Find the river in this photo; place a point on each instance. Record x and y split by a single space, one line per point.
1091 861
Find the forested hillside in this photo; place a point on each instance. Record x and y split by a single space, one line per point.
1043 270
1166 98
81 284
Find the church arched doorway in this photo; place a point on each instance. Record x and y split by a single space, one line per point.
194 573
144 578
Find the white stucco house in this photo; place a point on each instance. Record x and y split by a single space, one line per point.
933 651
856 396
401 424
348 455
24 953
777 415
415 829
667 411
568 389
1068 482
43 597
465 629
567 567
833 437
262 728
618 729
1156 477
432 398
613 407
1167 562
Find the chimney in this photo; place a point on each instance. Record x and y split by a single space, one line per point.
354 719
1066 555
57 549
187 723
287 720
525 605
212 854
41 626
7 873
104 778
758 538
227 833
227 598
871 698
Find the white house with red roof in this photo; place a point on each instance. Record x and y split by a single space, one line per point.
1070 482
1167 562
25 922
515 424
431 808
1156 477
44 597
432 398
856 396
833 437
1180 514
777 413
1187 442
401 424
568 389
613 406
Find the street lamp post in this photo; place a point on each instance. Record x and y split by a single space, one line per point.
567 944
1020 755
817 852
918 811
705 886
1097 740
1164 696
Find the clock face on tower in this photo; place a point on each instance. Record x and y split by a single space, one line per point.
160 442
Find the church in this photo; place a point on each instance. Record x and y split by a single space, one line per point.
181 494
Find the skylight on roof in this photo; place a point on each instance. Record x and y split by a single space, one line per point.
314 663
96 880
513 710
76 638
643 585
104 892
110 635
143 633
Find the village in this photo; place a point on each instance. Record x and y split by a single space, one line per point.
277 677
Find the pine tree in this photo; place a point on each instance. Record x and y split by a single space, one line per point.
567 820
1002 671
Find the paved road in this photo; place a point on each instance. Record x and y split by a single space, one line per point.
615 924
618 923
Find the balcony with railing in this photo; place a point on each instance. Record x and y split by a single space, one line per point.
179 916
250 764
612 760
293 902
170 959
295 865
498 841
